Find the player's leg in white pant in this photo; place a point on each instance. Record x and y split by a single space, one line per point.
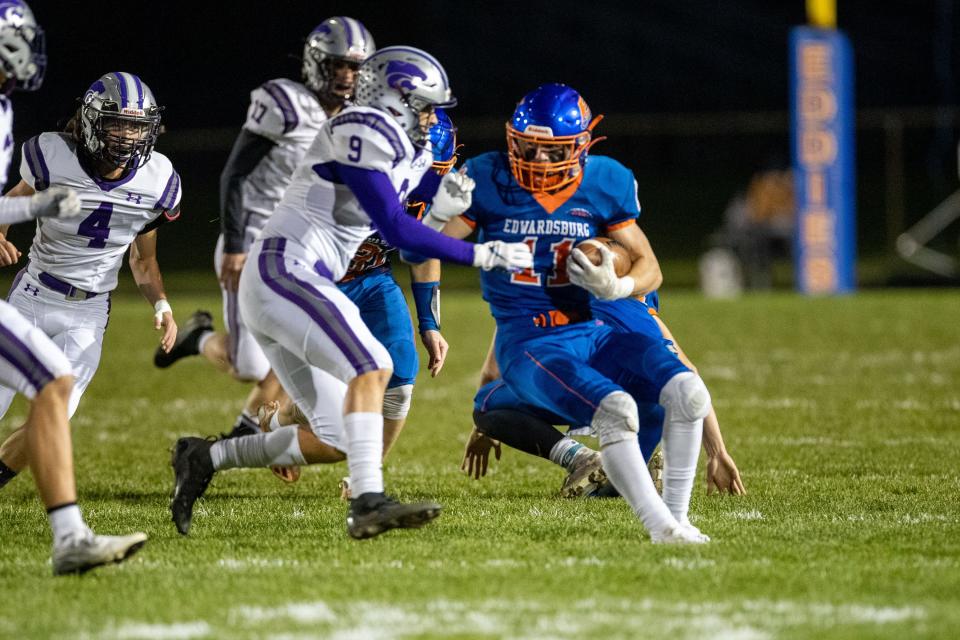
687 402
32 364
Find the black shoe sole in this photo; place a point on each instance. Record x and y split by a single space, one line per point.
410 520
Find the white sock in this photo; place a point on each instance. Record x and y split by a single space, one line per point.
681 448
686 401
564 452
623 464
364 433
275 421
203 340
66 521
280 447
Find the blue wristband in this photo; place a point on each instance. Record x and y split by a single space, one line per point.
426 297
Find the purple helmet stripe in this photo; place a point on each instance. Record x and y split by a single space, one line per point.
136 80
290 119
122 85
321 310
14 351
347 29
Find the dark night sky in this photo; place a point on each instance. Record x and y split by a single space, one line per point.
202 58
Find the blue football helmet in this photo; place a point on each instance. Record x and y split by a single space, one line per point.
548 138
443 140
23 55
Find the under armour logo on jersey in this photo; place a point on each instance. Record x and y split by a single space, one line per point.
134 197
32 290
420 162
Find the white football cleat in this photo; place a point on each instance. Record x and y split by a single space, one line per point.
80 553
679 534
346 493
686 524
586 478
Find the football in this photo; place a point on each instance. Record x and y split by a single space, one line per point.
621 257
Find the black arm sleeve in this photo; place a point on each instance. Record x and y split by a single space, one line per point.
248 150
163 218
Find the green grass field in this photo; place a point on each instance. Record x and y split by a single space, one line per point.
843 415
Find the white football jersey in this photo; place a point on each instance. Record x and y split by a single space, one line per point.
290 115
324 217
87 251
6 137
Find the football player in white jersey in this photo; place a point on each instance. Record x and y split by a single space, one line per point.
356 174
29 361
127 191
282 120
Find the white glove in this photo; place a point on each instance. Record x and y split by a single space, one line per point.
55 202
512 256
454 196
600 280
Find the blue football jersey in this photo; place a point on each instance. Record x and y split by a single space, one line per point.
605 200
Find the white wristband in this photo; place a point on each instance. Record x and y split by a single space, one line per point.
160 307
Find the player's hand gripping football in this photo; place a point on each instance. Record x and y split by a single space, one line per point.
230 268
512 256
454 196
476 455
55 202
436 348
723 475
600 280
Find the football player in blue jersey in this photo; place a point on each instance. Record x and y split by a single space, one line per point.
548 192
500 417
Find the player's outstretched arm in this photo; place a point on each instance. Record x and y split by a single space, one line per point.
146 273
722 472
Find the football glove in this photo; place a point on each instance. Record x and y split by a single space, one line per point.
55 202
601 280
512 256
454 196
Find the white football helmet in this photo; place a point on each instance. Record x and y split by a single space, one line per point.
335 39
22 48
119 120
404 82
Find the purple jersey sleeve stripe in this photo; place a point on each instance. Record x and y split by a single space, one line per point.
290 119
378 124
321 310
38 166
169 197
18 354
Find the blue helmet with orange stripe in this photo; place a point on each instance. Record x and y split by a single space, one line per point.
443 140
548 138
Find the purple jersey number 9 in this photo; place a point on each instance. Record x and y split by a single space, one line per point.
355 145
96 226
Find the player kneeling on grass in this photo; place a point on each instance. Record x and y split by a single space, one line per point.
548 192
127 191
500 417
30 363
357 173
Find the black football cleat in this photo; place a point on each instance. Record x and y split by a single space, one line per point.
188 340
373 513
192 472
